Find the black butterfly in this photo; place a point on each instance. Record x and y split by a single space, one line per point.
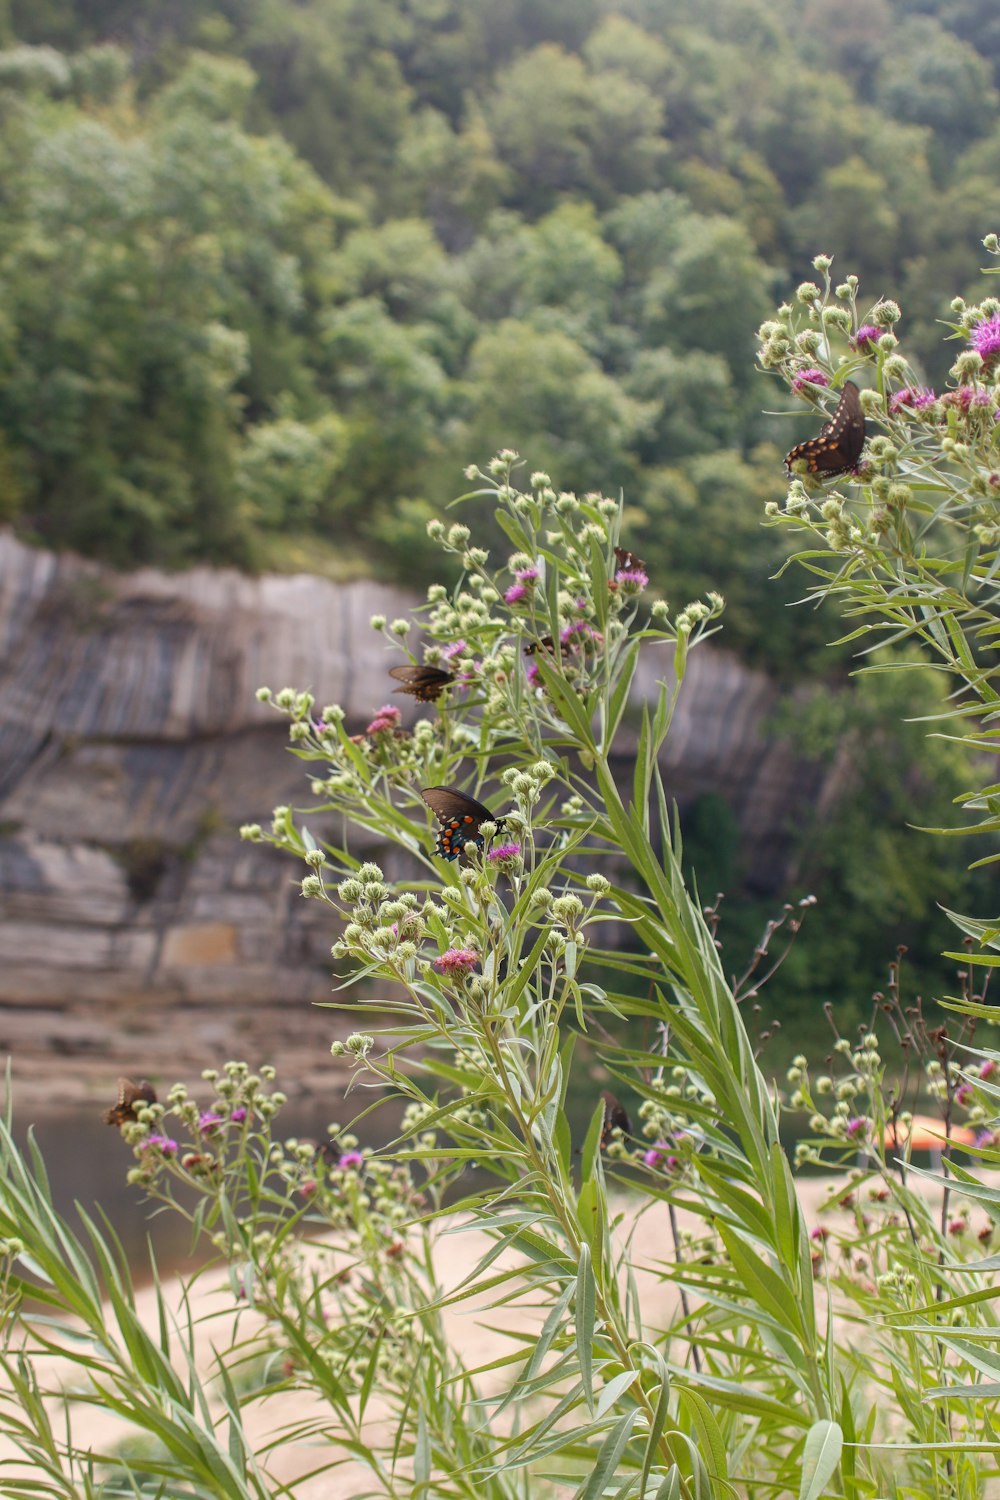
615 1117
840 441
460 818
129 1095
629 561
545 644
425 683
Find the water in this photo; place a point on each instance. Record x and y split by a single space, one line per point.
87 1162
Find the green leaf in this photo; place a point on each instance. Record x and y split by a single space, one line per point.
820 1457
710 1439
610 1452
585 1312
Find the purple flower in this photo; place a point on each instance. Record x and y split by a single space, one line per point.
351 1159
581 628
963 1093
856 1126
819 1233
455 649
504 852
387 717
866 334
913 396
803 378
457 961
526 575
985 336
207 1121
966 396
987 1068
162 1143
532 673
661 1153
515 593
239 1114
631 580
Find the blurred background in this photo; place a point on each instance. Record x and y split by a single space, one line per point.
271 275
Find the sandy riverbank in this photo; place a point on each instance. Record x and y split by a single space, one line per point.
216 1313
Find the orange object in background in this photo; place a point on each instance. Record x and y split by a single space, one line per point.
924 1133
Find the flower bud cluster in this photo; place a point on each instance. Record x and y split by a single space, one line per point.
382 924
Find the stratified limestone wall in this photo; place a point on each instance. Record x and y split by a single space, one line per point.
137 933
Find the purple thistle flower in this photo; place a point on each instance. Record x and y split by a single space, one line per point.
662 1154
208 1120
913 396
515 593
239 1114
985 336
457 961
631 580
987 1068
504 852
966 396
866 334
526 575
351 1159
387 717
963 1093
856 1126
455 649
532 673
162 1143
802 378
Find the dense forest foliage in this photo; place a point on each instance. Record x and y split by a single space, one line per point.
273 273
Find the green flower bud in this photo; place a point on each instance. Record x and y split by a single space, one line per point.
886 313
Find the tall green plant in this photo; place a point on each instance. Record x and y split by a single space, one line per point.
490 970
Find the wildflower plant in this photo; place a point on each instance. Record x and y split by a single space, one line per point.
487 974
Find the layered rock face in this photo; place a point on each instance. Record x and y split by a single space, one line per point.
137 933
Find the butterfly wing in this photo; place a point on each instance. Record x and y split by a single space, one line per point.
460 818
838 447
129 1095
629 561
615 1117
425 683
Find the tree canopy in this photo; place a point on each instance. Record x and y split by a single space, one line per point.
272 272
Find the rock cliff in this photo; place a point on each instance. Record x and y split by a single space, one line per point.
137 933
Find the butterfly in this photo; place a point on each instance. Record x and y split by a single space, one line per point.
840 441
425 683
629 561
460 818
545 644
129 1095
615 1117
